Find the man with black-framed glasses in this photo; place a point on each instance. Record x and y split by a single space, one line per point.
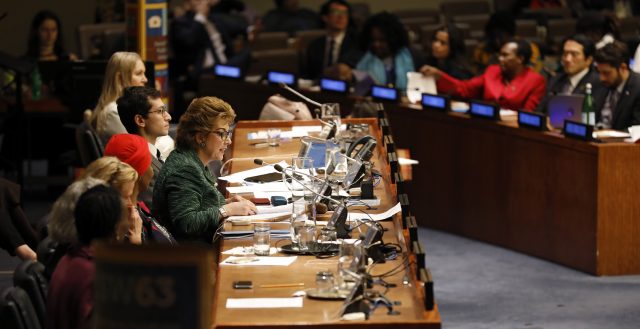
143 113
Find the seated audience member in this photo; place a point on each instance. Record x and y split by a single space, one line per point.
289 17
338 46
124 69
17 236
199 41
45 41
600 28
98 213
387 57
447 52
143 113
500 28
107 170
619 102
134 151
577 70
511 84
185 197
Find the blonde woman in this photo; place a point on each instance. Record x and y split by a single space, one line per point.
124 69
106 171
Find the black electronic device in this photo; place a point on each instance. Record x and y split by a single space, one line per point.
389 144
242 285
394 165
338 221
427 280
228 71
418 250
578 130
404 205
484 110
334 86
435 102
532 120
278 77
412 224
329 130
384 94
396 178
363 148
265 178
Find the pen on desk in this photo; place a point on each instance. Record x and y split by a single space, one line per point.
282 285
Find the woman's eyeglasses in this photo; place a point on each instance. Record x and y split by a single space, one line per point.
223 134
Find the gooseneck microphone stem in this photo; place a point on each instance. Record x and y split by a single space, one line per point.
297 93
283 171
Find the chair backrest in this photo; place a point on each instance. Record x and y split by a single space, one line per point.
89 146
270 40
279 60
16 310
29 276
460 8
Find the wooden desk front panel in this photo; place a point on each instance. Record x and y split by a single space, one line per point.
566 201
318 314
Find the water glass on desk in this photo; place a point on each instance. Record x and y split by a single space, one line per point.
346 261
273 137
261 239
331 112
307 237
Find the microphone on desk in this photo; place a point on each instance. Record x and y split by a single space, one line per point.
297 93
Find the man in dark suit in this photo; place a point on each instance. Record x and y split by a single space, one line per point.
338 46
143 113
618 105
577 71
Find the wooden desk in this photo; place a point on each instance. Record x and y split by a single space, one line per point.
567 201
318 314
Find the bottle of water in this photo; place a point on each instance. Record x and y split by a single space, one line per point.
36 84
588 115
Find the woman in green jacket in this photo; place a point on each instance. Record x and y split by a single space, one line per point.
185 197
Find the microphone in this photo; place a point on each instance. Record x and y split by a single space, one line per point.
325 186
295 92
260 162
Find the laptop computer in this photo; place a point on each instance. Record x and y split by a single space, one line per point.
563 107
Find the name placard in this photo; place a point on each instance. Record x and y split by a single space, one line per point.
435 102
578 130
484 110
385 94
532 120
333 85
278 77
227 71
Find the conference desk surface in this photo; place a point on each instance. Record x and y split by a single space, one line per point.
568 201
315 313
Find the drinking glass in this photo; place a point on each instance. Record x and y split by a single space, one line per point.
346 261
261 239
273 137
331 112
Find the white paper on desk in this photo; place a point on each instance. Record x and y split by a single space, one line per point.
260 217
635 133
266 187
307 129
354 216
268 195
274 210
294 134
292 302
261 261
507 112
405 161
612 134
239 177
418 83
246 251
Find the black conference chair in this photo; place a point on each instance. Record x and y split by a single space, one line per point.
16 310
89 145
29 276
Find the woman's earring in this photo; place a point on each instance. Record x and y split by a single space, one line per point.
203 144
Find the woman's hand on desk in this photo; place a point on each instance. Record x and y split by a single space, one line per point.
235 198
240 208
430 71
